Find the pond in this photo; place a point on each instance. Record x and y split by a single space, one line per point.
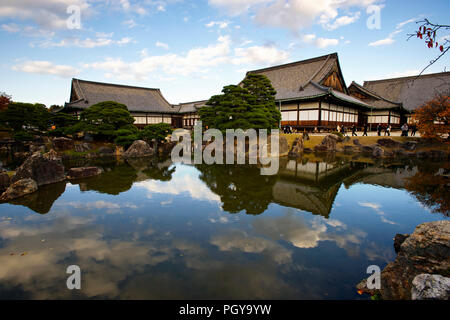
152 229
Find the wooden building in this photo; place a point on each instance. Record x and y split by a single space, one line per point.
382 111
188 112
408 93
147 106
312 94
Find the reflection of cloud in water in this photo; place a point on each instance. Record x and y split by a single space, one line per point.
182 182
291 228
122 268
301 234
240 240
377 208
110 207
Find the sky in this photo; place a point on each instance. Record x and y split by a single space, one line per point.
191 49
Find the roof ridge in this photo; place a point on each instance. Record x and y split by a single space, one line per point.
408 77
115 84
190 102
286 65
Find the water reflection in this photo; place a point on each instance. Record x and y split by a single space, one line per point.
151 229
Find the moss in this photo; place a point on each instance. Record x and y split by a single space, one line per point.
73 153
10 173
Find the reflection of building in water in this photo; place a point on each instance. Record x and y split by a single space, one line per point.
312 171
380 176
313 186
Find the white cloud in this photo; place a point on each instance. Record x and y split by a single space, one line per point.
12 27
319 42
197 60
102 40
48 14
382 42
180 184
47 68
162 45
402 24
295 14
390 39
377 208
343 21
220 24
260 55
130 23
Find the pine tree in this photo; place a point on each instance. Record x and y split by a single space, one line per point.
251 106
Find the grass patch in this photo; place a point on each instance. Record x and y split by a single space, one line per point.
367 141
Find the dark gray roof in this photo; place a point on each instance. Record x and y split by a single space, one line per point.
303 80
374 100
87 93
188 107
289 79
313 90
412 92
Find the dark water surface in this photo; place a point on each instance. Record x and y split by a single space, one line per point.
151 229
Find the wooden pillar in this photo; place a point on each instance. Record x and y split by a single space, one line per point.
298 114
389 119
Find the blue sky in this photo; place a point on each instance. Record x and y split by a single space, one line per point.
191 49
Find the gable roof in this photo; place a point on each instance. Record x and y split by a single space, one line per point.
413 91
138 99
374 100
289 80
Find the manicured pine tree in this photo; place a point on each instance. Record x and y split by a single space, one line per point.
250 106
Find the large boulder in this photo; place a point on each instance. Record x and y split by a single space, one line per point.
368 149
409 145
388 143
328 143
377 152
44 169
427 250
398 241
139 148
84 172
284 146
5 181
62 144
19 189
430 287
297 148
166 147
